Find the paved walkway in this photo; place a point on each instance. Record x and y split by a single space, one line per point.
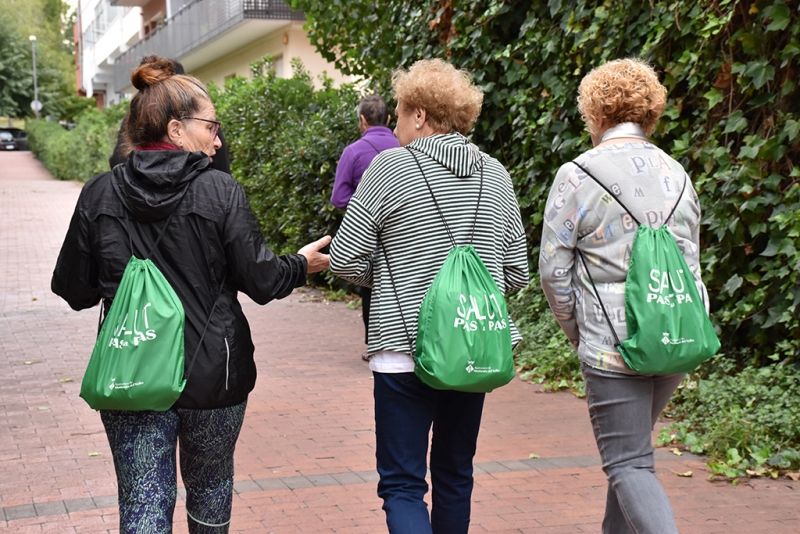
305 458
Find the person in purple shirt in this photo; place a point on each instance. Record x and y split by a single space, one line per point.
373 121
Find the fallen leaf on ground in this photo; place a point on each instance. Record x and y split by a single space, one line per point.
533 456
676 452
65 379
793 476
31 362
687 474
42 408
92 453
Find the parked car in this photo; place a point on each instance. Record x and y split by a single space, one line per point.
20 137
7 141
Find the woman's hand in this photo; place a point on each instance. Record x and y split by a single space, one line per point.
316 260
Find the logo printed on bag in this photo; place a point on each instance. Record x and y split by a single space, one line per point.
667 341
665 281
472 369
492 311
125 385
139 336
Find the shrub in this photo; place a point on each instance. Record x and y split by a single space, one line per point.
744 418
82 152
544 355
285 139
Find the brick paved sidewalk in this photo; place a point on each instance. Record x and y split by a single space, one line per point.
305 458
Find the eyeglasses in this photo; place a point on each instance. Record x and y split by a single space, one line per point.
216 124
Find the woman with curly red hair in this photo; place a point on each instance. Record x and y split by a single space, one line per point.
411 206
621 102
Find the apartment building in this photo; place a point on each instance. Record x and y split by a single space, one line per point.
213 39
102 33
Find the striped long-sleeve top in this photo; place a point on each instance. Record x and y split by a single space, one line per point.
393 204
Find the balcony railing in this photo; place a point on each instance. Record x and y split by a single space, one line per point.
195 24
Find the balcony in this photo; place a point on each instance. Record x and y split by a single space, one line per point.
203 31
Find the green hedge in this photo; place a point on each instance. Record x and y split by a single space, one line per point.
82 152
285 138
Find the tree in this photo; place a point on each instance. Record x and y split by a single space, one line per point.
15 70
48 21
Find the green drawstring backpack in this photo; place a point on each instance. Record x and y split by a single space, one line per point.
463 334
668 328
138 358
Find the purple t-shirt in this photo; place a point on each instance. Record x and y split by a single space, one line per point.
355 160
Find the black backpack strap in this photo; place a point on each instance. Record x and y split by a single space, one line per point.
618 344
592 176
200 342
671 213
435 203
394 287
158 239
602 306
163 229
370 144
438 209
162 232
480 193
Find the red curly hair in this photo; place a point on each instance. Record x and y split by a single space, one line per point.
623 90
451 101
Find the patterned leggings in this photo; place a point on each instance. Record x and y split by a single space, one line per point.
143 446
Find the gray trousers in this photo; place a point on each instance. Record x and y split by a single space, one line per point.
623 410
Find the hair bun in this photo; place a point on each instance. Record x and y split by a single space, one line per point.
152 70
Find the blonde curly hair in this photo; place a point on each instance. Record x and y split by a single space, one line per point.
623 90
451 101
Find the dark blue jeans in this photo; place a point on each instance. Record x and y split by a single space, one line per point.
405 409
143 445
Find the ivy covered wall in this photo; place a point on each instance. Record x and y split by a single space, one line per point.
732 120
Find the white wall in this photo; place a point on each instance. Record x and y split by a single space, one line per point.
105 37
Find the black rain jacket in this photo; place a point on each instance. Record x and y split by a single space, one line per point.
213 237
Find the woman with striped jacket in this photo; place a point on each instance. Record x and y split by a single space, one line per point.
392 223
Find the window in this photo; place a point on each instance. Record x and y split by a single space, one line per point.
88 35
104 16
100 19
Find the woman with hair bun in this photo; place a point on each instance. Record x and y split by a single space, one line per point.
584 260
220 161
211 248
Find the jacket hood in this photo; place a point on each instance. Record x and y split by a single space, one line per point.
152 182
453 151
